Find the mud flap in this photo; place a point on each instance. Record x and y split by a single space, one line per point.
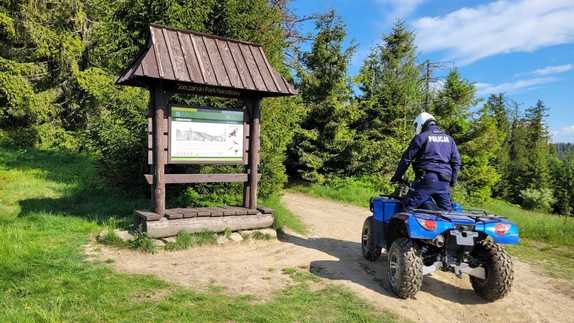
378 234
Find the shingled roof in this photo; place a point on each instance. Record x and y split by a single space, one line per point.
191 58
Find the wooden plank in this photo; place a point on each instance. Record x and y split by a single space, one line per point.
216 62
263 69
176 54
189 213
189 55
162 54
246 79
149 64
200 178
252 211
203 59
252 67
239 210
205 178
147 215
173 214
229 64
168 228
216 211
228 211
277 79
203 212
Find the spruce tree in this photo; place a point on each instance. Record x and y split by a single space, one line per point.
322 144
452 103
390 100
478 173
497 106
538 145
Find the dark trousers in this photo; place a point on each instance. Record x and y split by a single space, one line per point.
427 188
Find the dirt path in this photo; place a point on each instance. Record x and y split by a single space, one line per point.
332 251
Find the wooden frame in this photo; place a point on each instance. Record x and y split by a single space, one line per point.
161 128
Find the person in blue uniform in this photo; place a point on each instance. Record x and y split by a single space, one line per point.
436 162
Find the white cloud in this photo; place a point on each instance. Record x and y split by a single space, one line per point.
549 70
399 9
509 87
469 34
564 134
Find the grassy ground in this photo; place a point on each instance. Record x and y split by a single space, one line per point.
558 230
546 239
352 191
50 204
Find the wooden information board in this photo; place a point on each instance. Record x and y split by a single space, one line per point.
203 135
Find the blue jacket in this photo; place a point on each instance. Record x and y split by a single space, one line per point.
431 151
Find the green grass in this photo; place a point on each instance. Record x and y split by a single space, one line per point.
547 228
557 261
185 240
50 205
357 191
546 240
284 217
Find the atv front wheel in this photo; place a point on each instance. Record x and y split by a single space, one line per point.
404 268
498 269
369 246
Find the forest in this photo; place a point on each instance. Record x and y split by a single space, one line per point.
59 61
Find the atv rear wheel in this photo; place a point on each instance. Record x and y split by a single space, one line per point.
369 246
404 268
498 269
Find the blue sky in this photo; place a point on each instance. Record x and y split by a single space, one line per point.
524 48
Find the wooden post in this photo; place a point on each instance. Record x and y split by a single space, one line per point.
158 104
246 120
254 140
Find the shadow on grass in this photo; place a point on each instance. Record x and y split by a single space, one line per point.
351 266
83 193
93 206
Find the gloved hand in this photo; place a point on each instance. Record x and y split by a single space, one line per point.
396 179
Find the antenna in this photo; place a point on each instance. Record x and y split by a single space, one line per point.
430 67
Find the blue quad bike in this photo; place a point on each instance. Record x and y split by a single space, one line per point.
422 241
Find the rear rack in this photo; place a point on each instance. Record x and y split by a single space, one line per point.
475 214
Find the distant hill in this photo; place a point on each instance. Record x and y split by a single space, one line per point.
564 149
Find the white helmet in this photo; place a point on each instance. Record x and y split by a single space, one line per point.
420 121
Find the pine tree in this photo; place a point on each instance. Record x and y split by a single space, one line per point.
563 183
322 145
391 96
538 145
497 106
451 105
478 173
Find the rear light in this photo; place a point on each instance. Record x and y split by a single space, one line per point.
501 228
427 224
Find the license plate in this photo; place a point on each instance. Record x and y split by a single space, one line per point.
464 238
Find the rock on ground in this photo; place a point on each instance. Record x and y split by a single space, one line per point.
124 235
235 237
